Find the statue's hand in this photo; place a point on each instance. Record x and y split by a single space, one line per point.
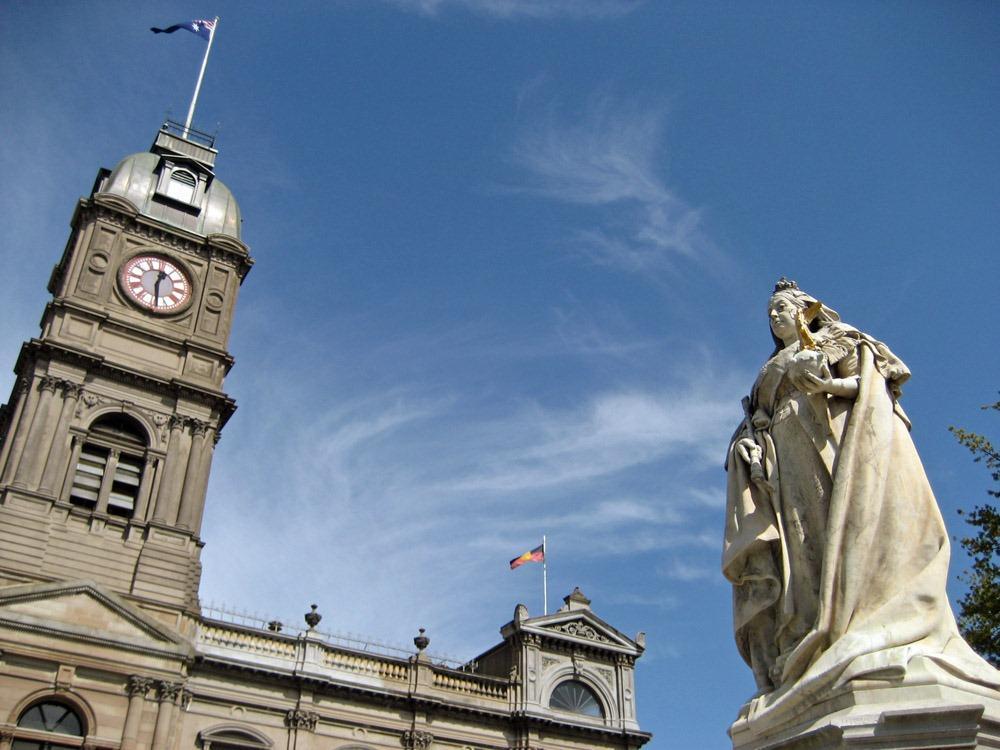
748 450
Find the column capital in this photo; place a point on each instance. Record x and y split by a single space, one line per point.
167 692
139 685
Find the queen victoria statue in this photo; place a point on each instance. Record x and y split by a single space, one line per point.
834 544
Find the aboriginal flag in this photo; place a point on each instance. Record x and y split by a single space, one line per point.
535 555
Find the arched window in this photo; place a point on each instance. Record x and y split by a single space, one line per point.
181 185
233 738
574 696
56 719
109 470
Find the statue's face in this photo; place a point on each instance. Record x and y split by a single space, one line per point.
781 312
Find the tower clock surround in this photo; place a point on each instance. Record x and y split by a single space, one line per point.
156 282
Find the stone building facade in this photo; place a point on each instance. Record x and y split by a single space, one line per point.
107 444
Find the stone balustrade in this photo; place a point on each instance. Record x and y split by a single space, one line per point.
311 656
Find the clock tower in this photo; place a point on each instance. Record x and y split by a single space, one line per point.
108 435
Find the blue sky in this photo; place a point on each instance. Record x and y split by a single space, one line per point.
513 259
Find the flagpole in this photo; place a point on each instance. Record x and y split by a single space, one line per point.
545 577
201 75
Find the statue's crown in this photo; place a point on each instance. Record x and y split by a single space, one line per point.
784 284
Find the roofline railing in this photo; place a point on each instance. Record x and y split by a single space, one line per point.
189 134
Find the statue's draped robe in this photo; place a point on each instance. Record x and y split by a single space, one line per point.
840 571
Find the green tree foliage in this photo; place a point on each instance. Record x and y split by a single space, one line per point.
979 609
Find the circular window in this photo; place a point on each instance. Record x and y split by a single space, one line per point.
577 698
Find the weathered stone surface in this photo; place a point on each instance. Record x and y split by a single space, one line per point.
834 544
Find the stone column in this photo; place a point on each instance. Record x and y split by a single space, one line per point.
55 463
6 738
76 448
106 480
12 450
137 687
34 450
145 485
166 695
166 502
189 510
205 473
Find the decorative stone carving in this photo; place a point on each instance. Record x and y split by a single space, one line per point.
834 544
297 718
548 661
71 390
581 630
168 692
138 685
198 427
88 401
49 383
607 675
415 739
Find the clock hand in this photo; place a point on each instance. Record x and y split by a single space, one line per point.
160 276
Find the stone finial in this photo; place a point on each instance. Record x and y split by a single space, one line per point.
520 613
640 639
313 617
576 601
421 641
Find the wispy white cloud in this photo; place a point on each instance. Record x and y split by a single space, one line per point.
391 472
684 570
609 159
524 8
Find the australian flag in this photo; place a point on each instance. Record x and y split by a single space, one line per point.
202 27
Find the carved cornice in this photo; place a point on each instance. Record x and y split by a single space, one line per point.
415 739
297 718
36 349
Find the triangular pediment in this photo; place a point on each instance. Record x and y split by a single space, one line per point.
85 612
581 627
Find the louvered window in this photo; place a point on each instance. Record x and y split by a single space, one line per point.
181 186
125 487
89 475
116 444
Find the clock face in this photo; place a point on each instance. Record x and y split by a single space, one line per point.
155 283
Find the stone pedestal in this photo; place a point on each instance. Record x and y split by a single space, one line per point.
929 709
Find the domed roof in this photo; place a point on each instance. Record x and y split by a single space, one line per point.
140 179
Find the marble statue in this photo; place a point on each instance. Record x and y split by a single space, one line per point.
834 544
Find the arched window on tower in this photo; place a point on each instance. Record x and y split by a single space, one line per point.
181 186
48 725
108 473
577 698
